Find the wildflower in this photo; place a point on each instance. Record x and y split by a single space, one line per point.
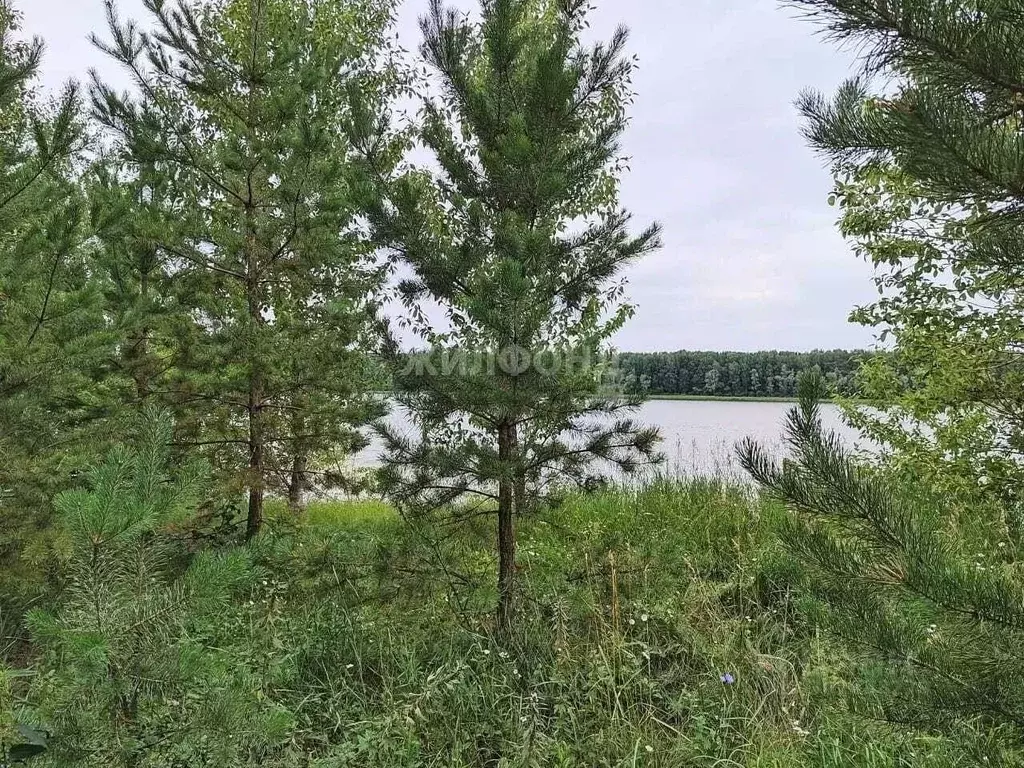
649 748
644 617
632 622
486 652
727 678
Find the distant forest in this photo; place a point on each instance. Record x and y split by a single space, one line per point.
736 374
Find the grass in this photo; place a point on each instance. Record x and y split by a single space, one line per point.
635 604
658 626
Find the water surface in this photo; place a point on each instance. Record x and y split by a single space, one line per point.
699 435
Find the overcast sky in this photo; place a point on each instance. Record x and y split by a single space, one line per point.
752 259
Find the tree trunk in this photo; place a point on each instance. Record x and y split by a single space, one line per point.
255 519
297 485
519 476
256 438
506 532
140 370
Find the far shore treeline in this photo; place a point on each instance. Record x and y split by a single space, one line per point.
764 374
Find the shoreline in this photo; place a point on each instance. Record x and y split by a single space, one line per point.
709 398
726 398
743 399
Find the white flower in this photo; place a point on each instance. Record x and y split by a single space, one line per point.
644 617
649 748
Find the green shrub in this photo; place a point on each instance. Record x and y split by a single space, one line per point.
133 667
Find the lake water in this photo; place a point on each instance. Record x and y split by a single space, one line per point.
700 435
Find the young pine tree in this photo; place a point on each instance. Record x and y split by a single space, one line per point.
131 675
928 595
929 161
241 108
128 205
520 240
919 569
49 309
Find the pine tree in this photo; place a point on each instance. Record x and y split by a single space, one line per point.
929 155
132 677
914 560
929 181
49 310
519 238
128 206
951 117
928 595
242 114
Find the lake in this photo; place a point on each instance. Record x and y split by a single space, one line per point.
700 435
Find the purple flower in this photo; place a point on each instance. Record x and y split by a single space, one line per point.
727 678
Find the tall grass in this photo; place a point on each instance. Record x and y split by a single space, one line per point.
659 626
